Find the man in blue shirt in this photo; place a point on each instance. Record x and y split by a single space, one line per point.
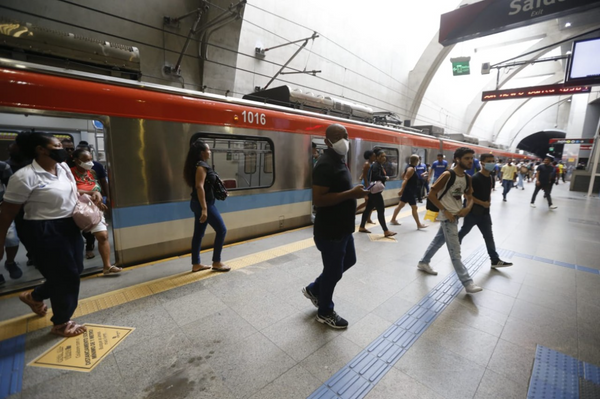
421 170
474 169
437 168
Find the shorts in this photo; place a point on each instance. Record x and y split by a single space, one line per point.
12 240
409 198
100 227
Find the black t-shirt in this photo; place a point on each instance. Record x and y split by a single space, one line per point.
377 173
546 173
411 184
208 183
482 188
337 221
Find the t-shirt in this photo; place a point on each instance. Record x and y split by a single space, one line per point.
336 221
482 188
411 184
86 181
209 181
508 172
420 169
474 169
452 200
560 168
100 171
439 168
546 173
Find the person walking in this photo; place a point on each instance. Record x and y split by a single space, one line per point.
45 190
452 184
523 171
408 193
544 178
480 212
509 176
370 157
200 177
421 170
376 174
335 199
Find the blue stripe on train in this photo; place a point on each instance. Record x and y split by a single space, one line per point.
157 213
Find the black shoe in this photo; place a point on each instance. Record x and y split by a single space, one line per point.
500 263
309 295
13 270
332 320
2 280
30 262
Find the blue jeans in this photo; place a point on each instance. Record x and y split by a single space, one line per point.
448 233
521 180
484 223
216 222
338 256
507 184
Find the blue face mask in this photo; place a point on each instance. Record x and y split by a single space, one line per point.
489 166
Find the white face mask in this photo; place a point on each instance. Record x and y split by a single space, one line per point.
87 165
341 146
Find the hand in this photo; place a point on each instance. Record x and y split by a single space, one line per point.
486 204
463 212
450 216
358 192
203 216
537 183
96 198
102 207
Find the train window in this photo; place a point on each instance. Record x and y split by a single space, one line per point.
242 162
391 164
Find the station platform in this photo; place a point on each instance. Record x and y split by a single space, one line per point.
534 330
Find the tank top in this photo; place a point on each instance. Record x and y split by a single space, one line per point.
411 184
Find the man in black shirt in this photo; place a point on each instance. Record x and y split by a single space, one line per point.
335 200
480 213
543 181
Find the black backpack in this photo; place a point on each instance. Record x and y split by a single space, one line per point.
219 189
430 207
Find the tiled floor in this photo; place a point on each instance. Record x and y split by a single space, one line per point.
251 334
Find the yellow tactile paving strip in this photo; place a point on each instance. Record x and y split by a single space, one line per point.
29 323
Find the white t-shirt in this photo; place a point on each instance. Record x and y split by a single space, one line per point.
45 196
452 200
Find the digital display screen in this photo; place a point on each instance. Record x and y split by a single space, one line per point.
534 91
585 59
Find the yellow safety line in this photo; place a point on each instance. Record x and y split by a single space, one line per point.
28 323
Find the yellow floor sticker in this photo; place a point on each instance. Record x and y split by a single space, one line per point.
381 238
83 352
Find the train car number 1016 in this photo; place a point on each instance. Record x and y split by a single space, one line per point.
254 117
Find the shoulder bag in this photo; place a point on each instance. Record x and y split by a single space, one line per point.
86 214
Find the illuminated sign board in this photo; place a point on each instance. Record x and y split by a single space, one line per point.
571 141
534 91
460 66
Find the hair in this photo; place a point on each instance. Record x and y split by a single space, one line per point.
66 141
314 145
378 151
484 157
368 154
192 159
440 155
549 157
461 152
28 142
414 158
77 153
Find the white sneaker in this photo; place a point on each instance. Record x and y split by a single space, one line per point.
553 207
532 205
472 288
426 268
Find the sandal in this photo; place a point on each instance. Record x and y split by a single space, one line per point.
220 267
89 255
113 270
199 268
39 308
363 230
68 329
389 234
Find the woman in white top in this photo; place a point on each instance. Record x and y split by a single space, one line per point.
45 190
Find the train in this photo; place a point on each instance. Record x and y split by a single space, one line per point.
262 152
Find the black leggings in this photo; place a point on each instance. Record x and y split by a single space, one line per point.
375 201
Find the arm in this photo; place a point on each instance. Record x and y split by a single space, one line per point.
409 172
104 187
7 215
469 196
322 197
537 178
433 193
200 178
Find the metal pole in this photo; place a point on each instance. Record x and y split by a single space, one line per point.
187 42
286 64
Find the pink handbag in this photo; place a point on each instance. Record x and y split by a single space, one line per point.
86 214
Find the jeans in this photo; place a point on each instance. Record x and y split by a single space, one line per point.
520 184
484 223
448 233
547 190
216 222
375 201
507 184
338 256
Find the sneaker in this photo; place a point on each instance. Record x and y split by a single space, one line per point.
333 320
553 207
309 295
500 263
13 270
472 288
504 199
426 268
532 205
2 280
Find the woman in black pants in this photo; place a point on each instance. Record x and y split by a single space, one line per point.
377 173
45 190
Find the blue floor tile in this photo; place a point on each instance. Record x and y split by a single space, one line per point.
12 363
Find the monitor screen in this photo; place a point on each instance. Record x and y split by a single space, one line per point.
584 63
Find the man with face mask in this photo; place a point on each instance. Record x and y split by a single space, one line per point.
335 200
480 213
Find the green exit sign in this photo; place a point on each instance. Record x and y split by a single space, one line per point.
460 66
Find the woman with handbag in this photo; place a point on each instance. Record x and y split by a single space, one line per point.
201 177
408 193
45 190
85 179
376 184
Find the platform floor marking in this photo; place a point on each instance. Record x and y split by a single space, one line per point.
12 362
381 238
357 378
568 265
556 375
83 352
